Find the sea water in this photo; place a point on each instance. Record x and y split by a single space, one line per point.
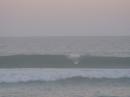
21 60
53 82
100 46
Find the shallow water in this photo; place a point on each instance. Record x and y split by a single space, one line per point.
30 82
65 89
17 75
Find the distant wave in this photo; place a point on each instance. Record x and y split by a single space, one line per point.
37 74
29 61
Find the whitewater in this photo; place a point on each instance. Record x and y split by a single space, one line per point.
53 74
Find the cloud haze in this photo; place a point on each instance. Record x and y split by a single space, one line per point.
64 17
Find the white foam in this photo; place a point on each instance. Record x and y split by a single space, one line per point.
38 74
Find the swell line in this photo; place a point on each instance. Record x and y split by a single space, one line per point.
61 61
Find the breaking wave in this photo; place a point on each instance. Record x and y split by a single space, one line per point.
37 74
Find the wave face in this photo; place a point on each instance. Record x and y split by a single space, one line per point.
55 61
37 74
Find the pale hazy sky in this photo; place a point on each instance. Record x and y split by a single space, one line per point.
64 17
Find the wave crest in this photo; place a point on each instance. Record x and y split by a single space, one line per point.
38 61
37 74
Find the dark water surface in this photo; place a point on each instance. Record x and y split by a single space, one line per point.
91 52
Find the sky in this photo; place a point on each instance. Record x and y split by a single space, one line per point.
64 17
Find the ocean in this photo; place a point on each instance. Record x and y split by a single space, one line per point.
65 66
